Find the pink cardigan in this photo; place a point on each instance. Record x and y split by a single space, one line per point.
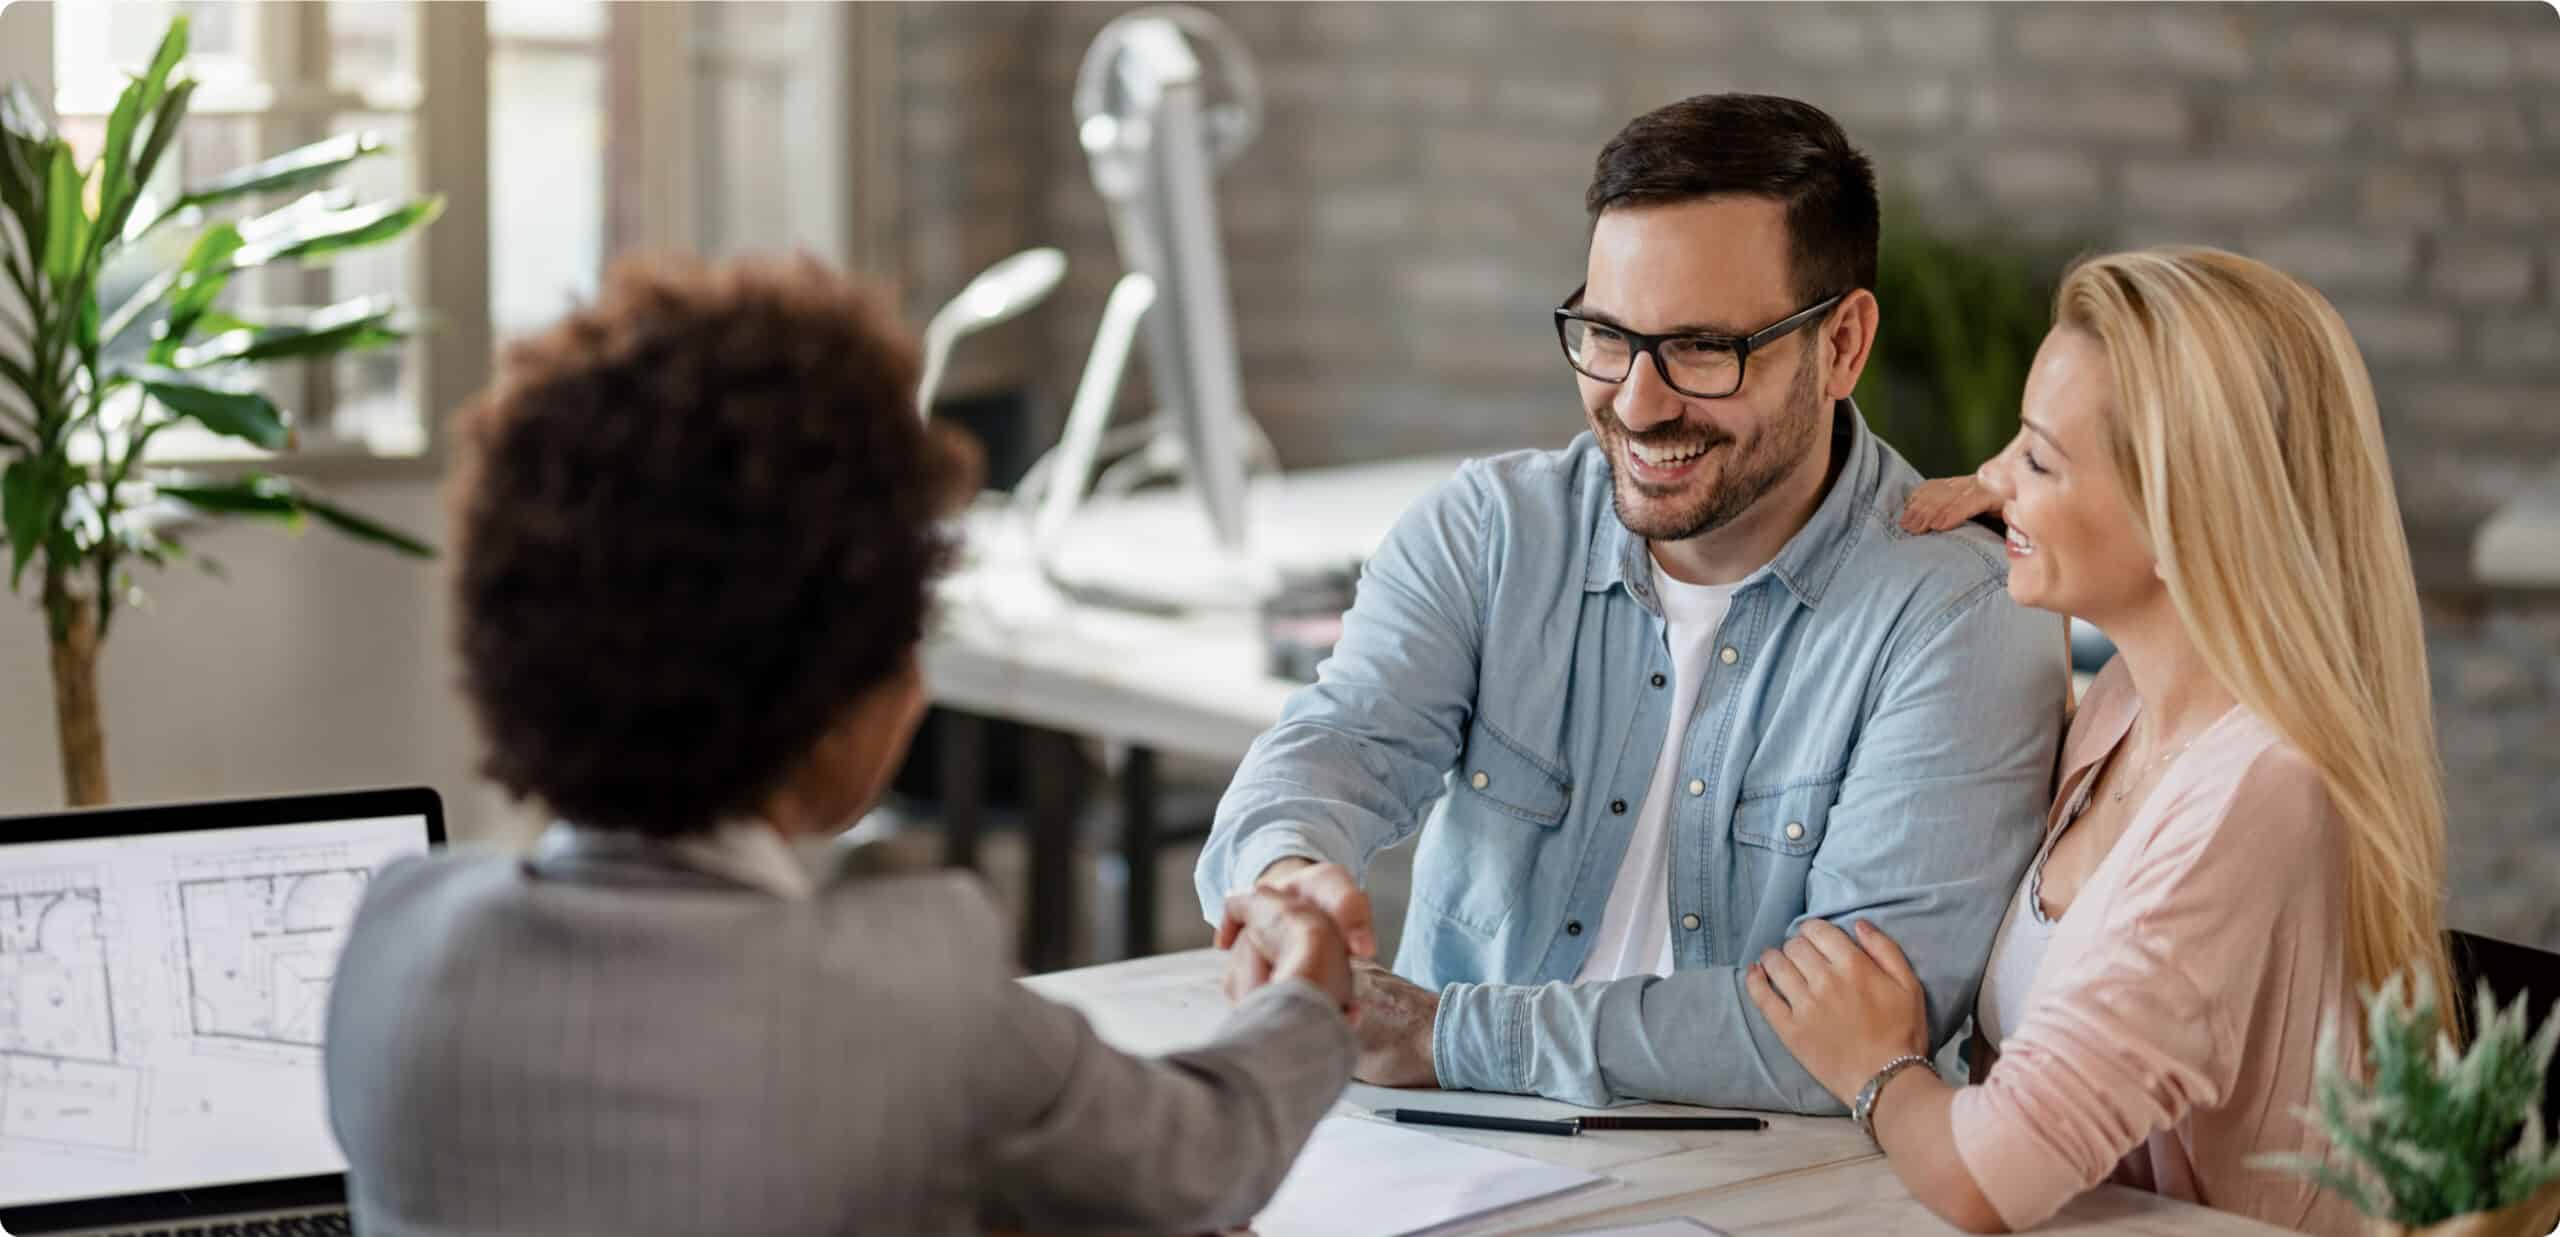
2170 1032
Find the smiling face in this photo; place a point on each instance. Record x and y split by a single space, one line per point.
1682 466
2073 544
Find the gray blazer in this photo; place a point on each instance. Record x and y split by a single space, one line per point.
616 1037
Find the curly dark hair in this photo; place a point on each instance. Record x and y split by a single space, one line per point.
695 522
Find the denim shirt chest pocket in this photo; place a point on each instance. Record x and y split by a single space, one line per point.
1505 804
1776 831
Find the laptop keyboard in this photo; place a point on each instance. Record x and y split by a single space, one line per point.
318 1225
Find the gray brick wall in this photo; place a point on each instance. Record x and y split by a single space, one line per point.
1413 209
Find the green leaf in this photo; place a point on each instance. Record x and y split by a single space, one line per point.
66 228
31 493
291 170
274 498
330 232
366 322
165 122
135 306
201 278
234 410
363 529
173 48
27 141
115 160
18 376
299 212
23 118
254 495
23 165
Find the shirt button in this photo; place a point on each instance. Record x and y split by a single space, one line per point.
1697 787
1617 807
1729 656
1573 927
1480 781
1658 680
1795 830
1690 922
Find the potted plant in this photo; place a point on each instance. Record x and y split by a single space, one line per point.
1963 321
112 329
2435 1140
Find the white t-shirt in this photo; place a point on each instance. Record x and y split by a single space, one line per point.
1635 933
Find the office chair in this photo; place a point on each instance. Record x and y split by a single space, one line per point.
2511 970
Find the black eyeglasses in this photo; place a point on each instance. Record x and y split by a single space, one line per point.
1698 366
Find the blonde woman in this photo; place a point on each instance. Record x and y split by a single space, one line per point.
2249 824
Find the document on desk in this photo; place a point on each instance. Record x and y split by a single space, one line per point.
1659 1228
1364 1178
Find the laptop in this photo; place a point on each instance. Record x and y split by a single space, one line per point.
164 982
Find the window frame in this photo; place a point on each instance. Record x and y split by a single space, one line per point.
449 261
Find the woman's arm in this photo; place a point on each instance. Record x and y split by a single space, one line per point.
1915 1126
1845 1006
2145 1027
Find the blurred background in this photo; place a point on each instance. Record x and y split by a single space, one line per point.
1393 238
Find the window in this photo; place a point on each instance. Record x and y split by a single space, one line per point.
559 132
546 158
274 76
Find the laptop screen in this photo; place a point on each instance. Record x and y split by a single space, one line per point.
163 993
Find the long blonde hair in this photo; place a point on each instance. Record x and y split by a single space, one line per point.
2248 443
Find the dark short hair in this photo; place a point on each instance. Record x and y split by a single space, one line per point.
1754 144
695 522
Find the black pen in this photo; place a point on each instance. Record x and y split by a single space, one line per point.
1736 1124
1476 1121
1567 1127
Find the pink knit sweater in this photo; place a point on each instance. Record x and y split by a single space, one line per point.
2169 1035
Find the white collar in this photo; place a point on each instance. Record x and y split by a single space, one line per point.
746 851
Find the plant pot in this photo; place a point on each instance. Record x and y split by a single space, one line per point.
2533 1217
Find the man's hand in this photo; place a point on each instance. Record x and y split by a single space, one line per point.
1274 934
1395 1029
1330 888
1843 1005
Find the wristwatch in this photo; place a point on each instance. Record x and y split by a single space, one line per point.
1863 1109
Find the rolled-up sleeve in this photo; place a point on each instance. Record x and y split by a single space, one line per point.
2111 1056
1360 753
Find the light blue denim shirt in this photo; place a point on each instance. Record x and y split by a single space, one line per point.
1875 740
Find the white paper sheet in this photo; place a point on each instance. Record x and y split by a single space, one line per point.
1363 1178
1681 1227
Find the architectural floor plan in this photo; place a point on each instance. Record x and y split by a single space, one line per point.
259 949
60 1077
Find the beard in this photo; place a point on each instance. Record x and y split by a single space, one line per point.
1734 473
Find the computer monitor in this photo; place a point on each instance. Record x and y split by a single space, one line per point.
164 981
1164 95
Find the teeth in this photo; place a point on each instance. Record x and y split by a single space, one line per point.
2018 541
1662 458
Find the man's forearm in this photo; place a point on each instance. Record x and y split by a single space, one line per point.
1690 1037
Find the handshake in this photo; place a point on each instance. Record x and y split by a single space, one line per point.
1301 920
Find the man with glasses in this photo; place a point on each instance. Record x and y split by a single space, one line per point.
1676 688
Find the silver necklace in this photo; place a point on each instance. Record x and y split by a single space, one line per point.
2120 793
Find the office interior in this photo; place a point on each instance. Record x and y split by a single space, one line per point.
1396 198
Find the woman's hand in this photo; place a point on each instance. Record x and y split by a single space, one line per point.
1276 934
1936 506
1844 1006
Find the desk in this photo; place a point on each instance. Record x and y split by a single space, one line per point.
1804 1175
